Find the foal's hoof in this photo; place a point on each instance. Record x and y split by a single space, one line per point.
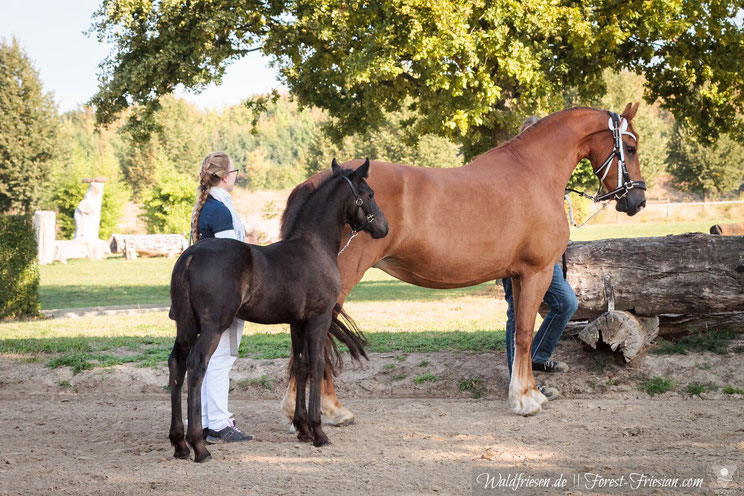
182 454
345 424
321 442
205 457
341 417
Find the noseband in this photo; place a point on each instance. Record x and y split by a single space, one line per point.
369 216
619 127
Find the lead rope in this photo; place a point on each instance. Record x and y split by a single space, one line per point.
353 235
571 215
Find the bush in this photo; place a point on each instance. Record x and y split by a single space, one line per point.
19 269
168 204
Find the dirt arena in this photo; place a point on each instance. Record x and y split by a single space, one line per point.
106 433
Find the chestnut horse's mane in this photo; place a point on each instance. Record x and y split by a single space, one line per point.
298 198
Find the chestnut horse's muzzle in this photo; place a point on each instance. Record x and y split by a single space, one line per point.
632 203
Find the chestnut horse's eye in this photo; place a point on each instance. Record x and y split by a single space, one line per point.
631 150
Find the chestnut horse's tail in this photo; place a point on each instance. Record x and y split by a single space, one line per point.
344 330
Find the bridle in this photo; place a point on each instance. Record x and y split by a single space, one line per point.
619 127
369 217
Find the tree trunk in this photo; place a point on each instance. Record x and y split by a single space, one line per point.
688 283
44 225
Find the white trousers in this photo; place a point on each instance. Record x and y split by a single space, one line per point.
216 385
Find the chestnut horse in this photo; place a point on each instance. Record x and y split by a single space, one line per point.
499 216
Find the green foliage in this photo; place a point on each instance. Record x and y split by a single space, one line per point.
428 377
470 71
715 341
391 142
474 386
169 203
71 190
696 389
732 390
657 385
704 168
19 269
30 144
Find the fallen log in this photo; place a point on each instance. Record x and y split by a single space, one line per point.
728 229
688 283
148 245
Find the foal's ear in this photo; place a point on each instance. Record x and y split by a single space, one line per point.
630 111
335 168
362 171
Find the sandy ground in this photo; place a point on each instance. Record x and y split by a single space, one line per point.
107 432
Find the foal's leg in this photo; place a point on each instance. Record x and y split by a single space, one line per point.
316 331
299 371
528 292
177 368
197 366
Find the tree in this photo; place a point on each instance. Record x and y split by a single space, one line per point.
29 132
469 70
704 168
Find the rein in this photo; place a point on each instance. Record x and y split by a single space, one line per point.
619 127
368 219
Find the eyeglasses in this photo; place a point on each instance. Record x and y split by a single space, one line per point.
236 171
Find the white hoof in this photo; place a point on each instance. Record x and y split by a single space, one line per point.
524 404
341 417
292 429
540 398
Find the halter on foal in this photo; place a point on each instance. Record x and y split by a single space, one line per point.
499 216
294 281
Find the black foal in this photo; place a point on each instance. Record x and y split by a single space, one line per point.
294 281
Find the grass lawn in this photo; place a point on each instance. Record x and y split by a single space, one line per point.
394 316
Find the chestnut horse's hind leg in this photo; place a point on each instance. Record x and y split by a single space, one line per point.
197 362
330 407
528 290
177 368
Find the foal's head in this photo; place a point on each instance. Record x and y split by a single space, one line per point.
362 212
607 159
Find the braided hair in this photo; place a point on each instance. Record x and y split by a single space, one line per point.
214 167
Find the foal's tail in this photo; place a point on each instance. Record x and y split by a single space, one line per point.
344 329
181 310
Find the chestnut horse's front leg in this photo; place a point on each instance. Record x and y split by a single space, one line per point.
528 290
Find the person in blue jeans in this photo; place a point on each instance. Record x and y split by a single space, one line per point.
561 299
563 304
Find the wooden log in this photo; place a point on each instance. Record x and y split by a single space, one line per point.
622 331
153 244
728 229
695 274
44 226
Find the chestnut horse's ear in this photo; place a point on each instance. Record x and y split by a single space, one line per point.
362 171
335 168
630 111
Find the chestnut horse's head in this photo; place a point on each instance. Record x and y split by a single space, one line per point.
620 171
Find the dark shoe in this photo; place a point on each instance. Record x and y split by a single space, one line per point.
229 434
550 392
550 366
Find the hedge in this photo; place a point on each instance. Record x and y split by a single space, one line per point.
19 267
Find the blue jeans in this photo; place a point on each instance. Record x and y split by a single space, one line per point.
562 302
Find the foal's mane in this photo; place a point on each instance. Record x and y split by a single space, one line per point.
299 198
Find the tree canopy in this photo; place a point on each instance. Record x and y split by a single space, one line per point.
469 70
29 131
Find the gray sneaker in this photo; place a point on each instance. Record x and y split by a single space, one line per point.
550 366
229 434
550 392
